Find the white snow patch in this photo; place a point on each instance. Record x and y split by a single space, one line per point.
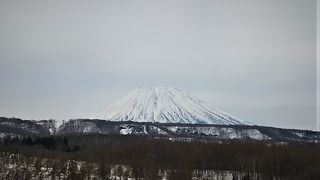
126 131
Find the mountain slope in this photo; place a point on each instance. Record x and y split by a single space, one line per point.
15 127
178 131
165 105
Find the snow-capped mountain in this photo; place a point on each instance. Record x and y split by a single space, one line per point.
166 105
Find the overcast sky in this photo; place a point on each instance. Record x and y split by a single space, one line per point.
255 60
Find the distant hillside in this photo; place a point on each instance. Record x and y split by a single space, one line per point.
180 131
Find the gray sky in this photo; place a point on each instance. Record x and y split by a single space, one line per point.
70 59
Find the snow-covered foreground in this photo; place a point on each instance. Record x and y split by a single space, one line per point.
15 166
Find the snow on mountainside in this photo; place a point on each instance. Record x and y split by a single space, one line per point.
166 105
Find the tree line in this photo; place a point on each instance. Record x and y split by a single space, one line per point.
147 156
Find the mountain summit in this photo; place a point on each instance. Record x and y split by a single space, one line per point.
166 105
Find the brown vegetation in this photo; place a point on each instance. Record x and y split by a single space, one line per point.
147 156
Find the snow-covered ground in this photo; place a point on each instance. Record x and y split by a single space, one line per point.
15 166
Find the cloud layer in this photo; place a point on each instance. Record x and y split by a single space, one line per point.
253 59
